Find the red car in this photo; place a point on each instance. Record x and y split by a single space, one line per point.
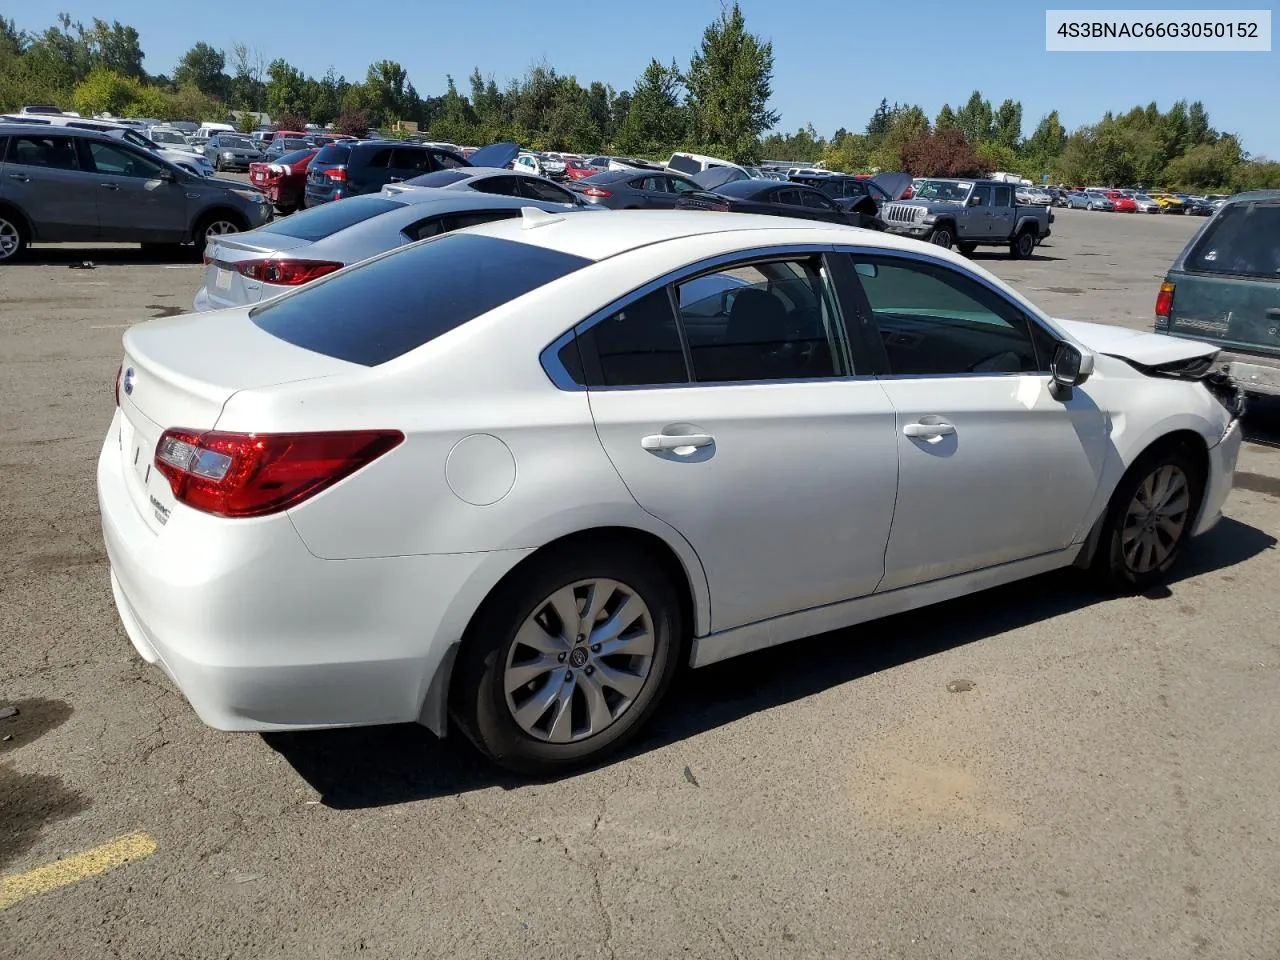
579 169
284 180
1123 202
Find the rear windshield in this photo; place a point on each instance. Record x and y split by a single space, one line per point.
293 143
296 156
389 306
1243 240
441 178
316 223
684 164
236 143
333 154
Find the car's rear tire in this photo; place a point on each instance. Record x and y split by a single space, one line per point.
943 235
1023 245
530 688
966 248
1149 518
215 224
13 236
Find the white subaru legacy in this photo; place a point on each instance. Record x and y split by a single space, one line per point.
512 478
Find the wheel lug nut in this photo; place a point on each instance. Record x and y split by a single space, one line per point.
595 648
581 637
562 658
590 670
568 674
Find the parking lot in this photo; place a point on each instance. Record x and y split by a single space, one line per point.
1036 771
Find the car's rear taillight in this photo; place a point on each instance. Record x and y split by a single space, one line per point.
1164 304
337 173
119 374
254 474
597 192
288 273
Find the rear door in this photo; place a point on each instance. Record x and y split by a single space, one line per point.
742 425
1002 213
45 178
1228 287
134 201
407 163
369 169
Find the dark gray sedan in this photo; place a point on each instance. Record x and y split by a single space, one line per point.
231 151
634 189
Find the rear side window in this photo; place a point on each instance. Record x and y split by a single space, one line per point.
446 160
637 346
541 190
1243 240
316 223
409 158
333 154
383 309
57 153
457 221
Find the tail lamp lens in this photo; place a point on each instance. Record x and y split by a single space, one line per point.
1164 303
597 192
288 273
255 474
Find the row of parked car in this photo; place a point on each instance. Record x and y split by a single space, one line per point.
1134 201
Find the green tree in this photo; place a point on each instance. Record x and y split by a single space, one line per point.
730 82
1198 129
285 88
1049 138
1006 124
385 84
1205 165
655 120
907 124
105 91
879 123
974 118
116 47
202 67
245 90
946 119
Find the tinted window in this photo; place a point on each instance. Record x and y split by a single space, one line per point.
236 143
378 158
296 157
115 160
441 178
406 158
502 186
447 161
389 306
983 193
1244 240
684 164
58 153
637 346
812 198
333 154
765 321
932 320
1003 197
791 197
541 190
315 223
456 221
680 185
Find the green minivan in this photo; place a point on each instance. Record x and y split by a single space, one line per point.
1224 287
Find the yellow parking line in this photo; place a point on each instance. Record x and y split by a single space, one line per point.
136 846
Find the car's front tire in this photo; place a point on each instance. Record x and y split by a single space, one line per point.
13 237
942 236
1149 518
568 658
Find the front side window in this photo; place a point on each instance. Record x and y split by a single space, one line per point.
680 185
120 162
56 153
790 197
406 158
502 186
1243 240
982 195
934 321
815 200
761 321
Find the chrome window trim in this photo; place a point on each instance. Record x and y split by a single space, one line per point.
1028 310
559 376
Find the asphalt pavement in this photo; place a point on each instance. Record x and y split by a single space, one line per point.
1036 771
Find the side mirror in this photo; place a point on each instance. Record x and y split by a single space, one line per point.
1069 367
168 175
975 201
726 301
867 270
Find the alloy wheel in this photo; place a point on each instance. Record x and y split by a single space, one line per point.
1156 519
579 661
942 237
1026 244
218 228
10 239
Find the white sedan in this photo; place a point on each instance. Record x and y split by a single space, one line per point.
517 475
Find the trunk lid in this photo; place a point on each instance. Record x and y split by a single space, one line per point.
1235 312
180 372
497 155
223 282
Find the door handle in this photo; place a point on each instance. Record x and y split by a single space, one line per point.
110 186
21 177
395 179
929 431
667 441
1273 312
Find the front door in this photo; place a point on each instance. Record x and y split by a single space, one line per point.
727 406
44 177
975 224
134 201
992 468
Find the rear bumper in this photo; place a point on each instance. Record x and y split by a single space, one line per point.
1253 373
259 634
1221 478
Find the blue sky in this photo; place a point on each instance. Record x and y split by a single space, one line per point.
833 61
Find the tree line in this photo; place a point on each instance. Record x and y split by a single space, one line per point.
717 103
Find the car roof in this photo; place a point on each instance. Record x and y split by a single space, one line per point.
450 201
13 127
610 233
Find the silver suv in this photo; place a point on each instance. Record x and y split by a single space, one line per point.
64 184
